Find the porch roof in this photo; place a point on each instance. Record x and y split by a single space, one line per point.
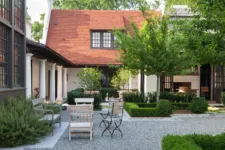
42 51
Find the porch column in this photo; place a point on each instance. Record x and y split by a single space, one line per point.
59 83
28 75
42 87
52 83
64 82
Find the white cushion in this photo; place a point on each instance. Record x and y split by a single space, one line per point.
80 125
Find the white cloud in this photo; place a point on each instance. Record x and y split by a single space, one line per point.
35 8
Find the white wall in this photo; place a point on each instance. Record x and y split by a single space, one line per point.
195 81
151 83
28 30
73 81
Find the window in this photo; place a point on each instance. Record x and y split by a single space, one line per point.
4 6
3 55
102 39
18 13
17 50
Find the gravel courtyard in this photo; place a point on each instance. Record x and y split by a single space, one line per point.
141 134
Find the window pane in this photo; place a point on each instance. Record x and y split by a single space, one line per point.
3 55
96 39
4 9
17 50
107 40
18 13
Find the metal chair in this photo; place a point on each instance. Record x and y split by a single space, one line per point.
106 114
113 122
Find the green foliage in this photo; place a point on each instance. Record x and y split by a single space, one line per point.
178 97
153 49
164 108
37 28
173 142
98 4
134 97
194 142
137 110
19 124
208 31
55 107
223 98
111 92
176 106
77 94
199 105
90 78
120 79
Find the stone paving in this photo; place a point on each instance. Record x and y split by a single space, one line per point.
140 133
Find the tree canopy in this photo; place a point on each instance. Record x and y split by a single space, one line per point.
37 29
153 49
99 4
204 33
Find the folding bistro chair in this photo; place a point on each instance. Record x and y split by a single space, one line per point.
113 122
80 119
106 114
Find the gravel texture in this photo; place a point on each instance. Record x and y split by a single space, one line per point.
143 134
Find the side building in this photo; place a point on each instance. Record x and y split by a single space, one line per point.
12 48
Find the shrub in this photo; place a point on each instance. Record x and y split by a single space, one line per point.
164 108
19 125
56 110
76 94
178 97
79 90
180 106
223 98
203 142
149 110
172 142
134 97
199 105
111 92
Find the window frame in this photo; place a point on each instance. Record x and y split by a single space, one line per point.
112 47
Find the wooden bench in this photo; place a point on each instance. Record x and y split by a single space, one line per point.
49 115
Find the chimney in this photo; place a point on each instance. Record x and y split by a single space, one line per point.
47 20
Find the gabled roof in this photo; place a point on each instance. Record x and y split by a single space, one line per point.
69 33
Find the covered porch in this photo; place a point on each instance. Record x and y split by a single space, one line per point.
46 73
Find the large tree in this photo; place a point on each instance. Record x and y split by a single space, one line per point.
37 29
153 49
98 4
204 33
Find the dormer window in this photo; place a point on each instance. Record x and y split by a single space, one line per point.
102 40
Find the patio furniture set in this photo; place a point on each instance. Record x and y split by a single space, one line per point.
80 116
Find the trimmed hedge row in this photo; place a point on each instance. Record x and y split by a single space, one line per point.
176 106
162 108
111 92
151 97
194 142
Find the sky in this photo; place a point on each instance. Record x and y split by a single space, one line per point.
35 8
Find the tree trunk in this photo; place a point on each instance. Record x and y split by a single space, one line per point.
158 88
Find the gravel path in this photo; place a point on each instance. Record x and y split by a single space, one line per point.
146 134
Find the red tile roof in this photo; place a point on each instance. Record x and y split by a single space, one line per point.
69 33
